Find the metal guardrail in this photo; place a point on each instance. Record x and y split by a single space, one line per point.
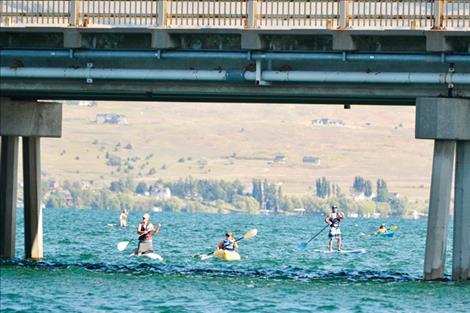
261 14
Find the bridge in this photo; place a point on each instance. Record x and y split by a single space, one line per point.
347 52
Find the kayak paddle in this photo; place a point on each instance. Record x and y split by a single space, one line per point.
249 234
303 245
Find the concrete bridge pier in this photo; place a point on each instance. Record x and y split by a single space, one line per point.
32 198
30 120
461 256
8 185
447 121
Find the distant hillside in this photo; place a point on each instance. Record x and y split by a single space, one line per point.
229 141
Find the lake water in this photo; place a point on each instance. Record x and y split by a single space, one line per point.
83 272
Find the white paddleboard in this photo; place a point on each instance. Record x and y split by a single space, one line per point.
355 251
111 225
153 256
150 255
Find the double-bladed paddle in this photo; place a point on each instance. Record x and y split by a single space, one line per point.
249 234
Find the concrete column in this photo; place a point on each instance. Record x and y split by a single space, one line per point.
439 203
8 183
33 245
446 120
461 244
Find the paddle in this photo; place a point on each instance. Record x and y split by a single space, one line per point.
303 245
123 244
249 234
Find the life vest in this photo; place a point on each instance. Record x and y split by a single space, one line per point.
228 245
335 220
145 228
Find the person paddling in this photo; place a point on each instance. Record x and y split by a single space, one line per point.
228 243
146 231
333 219
123 219
382 229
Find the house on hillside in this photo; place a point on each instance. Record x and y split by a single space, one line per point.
280 158
111 118
358 196
53 185
85 185
67 196
159 192
311 159
328 122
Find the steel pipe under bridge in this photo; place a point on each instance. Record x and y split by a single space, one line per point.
90 74
239 76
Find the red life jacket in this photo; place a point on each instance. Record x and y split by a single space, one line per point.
145 228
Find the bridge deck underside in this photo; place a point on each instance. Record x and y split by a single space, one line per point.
242 85
218 92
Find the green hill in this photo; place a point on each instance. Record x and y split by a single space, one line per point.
229 141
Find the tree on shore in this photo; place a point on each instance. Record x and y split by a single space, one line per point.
382 191
323 188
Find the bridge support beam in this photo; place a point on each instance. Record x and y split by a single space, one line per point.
30 120
439 202
446 120
32 198
8 185
461 246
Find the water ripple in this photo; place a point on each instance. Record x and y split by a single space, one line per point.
293 273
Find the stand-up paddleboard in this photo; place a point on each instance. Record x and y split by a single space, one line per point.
354 251
150 255
111 225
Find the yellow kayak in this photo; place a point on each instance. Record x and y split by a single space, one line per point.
227 255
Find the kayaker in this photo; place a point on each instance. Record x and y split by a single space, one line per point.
146 231
333 219
228 243
382 229
123 219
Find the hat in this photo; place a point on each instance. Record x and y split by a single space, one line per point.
146 215
334 207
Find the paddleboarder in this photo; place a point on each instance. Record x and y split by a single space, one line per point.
228 243
333 220
146 230
123 219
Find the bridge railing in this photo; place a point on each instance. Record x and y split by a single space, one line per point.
261 14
